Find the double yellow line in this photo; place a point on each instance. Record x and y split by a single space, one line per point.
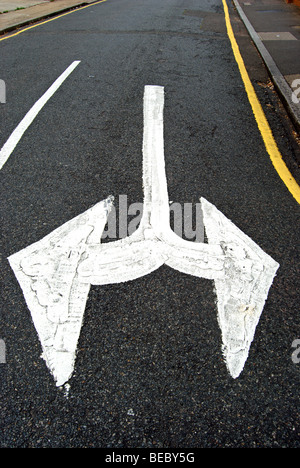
262 123
260 117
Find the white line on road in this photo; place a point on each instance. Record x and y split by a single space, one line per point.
19 131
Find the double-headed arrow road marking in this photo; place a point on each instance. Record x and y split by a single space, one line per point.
57 272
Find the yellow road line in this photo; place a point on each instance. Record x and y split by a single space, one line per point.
263 125
260 117
48 20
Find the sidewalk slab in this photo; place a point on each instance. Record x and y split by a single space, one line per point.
18 4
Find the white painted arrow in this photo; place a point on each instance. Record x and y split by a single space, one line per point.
56 273
56 298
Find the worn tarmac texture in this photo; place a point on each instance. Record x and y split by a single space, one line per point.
149 371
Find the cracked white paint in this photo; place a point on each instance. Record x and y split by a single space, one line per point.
47 273
56 273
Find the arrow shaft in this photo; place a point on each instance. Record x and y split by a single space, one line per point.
156 200
154 243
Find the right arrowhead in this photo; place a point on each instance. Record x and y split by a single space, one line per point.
242 293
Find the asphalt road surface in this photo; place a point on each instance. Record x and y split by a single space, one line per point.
149 369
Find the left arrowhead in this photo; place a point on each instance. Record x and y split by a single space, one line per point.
242 292
56 298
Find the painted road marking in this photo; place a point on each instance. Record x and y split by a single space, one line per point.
19 131
261 120
263 125
57 272
56 298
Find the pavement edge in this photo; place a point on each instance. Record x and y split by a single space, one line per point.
278 79
44 16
